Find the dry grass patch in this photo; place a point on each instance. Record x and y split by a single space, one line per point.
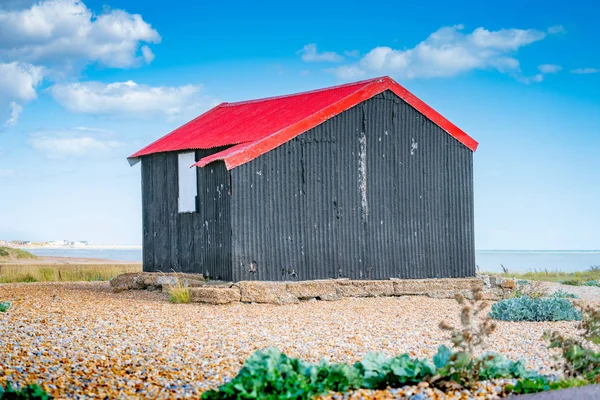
63 273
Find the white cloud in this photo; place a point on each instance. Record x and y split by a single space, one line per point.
130 98
59 145
15 112
147 54
549 68
585 70
309 53
348 72
448 52
531 79
67 33
352 53
18 82
556 29
48 39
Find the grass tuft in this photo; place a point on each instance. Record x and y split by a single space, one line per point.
179 293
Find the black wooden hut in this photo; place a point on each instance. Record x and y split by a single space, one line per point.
363 181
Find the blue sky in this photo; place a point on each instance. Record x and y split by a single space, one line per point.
85 84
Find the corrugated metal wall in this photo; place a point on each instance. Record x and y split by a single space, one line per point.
378 191
186 242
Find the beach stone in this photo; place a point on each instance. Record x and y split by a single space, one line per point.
215 295
331 296
346 288
495 281
508 284
312 289
123 282
485 279
265 292
429 287
376 288
220 284
494 294
144 280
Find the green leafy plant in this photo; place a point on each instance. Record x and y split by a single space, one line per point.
542 384
561 294
461 367
523 282
458 369
4 252
580 361
5 305
29 392
540 309
270 374
380 372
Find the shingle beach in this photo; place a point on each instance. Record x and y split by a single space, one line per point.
80 339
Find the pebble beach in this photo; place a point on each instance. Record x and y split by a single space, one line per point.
80 340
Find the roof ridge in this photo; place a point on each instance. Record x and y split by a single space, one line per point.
252 101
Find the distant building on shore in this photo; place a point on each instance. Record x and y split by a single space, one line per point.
360 181
19 242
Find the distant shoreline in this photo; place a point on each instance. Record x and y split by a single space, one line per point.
69 247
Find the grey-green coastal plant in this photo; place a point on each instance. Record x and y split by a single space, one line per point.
5 305
539 309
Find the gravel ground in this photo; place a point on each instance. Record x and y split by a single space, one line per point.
79 339
589 294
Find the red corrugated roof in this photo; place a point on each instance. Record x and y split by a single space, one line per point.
258 126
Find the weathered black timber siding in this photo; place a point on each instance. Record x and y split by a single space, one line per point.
378 191
186 242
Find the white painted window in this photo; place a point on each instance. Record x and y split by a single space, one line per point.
188 182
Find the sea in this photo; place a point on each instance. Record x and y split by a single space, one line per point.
486 260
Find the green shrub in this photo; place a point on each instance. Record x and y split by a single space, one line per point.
592 283
572 282
29 392
269 374
5 305
561 294
462 369
4 252
380 372
540 309
580 361
543 384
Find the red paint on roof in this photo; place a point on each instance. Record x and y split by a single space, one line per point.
258 126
